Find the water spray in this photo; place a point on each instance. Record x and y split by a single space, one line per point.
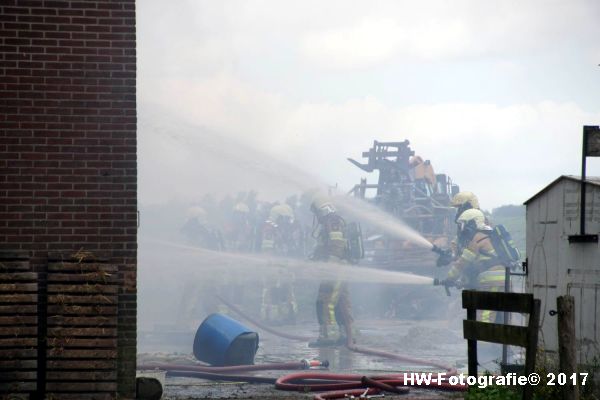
375 216
193 259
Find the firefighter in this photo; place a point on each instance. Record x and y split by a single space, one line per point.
333 300
238 230
280 237
478 265
463 201
198 231
239 238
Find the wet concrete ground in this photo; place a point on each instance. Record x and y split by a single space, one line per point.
426 340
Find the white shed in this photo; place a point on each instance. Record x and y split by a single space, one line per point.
557 267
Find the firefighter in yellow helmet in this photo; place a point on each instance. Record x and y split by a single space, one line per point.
464 201
279 237
333 300
478 265
238 229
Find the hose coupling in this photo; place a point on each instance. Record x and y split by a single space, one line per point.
308 364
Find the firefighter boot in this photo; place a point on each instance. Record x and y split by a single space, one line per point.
329 335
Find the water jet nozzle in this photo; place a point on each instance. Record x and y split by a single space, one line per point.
445 255
445 283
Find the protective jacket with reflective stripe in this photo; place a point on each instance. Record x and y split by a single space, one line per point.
478 256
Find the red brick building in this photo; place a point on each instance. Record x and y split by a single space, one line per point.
68 198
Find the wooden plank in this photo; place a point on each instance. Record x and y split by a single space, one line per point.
18 276
18 375
83 289
495 333
12 342
81 375
82 268
82 310
18 298
6 265
82 332
81 386
18 320
55 365
17 386
20 354
14 255
58 352
14 331
91 299
100 277
18 287
81 396
497 301
59 320
17 364
18 309
96 343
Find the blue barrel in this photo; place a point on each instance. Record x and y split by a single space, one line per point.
222 341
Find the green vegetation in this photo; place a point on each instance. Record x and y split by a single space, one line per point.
510 210
492 393
545 365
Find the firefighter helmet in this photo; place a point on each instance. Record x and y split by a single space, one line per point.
197 213
281 211
462 198
241 208
472 218
321 206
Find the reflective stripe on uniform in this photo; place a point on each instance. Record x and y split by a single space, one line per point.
491 280
333 300
267 244
468 256
493 277
454 272
337 244
336 235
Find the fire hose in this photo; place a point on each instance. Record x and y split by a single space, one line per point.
348 384
335 385
232 373
351 346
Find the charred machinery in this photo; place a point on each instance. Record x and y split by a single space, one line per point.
409 189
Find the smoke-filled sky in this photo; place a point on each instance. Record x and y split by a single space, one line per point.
494 93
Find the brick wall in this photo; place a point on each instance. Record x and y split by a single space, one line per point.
68 141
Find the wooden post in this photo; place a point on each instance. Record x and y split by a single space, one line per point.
531 350
567 344
472 345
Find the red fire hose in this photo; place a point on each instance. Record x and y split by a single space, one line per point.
294 382
286 366
349 384
351 346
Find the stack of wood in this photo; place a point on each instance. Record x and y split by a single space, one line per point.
82 329
18 325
